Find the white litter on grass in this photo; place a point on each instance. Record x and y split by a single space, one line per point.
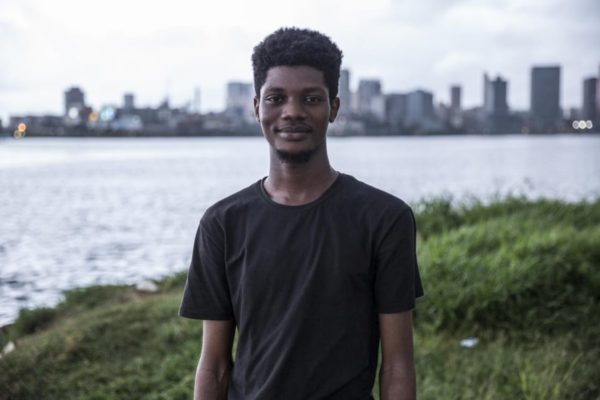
469 342
9 348
146 286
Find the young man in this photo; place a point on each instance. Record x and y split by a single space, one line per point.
312 267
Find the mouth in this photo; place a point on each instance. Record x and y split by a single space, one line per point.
293 132
293 129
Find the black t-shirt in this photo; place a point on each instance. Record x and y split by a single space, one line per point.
304 285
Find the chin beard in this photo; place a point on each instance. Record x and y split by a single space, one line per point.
295 158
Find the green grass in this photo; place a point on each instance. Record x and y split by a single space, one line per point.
113 344
523 277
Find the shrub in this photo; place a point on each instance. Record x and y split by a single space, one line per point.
31 321
523 269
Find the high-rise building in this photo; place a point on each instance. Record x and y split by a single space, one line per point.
455 97
196 100
545 111
419 109
589 108
598 93
454 114
395 110
239 100
74 102
344 92
494 96
128 102
495 105
371 101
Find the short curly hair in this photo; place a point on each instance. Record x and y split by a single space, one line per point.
294 47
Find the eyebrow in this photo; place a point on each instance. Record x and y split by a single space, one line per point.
305 90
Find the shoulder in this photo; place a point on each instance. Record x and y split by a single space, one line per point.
235 203
372 198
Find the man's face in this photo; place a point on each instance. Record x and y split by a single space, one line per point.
294 110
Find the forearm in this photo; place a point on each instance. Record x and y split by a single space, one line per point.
211 383
397 383
215 364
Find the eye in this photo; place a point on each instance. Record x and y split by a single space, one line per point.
313 99
274 99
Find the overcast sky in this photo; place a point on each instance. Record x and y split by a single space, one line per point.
160 48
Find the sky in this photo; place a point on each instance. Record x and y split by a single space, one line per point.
169 48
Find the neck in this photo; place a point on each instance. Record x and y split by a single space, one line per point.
297 184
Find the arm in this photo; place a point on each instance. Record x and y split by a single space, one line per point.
214 367
397 374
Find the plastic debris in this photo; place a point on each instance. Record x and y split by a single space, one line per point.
469 342
9 348
146 286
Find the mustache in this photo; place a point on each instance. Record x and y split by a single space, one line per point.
296 128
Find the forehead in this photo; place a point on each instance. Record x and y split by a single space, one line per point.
294 78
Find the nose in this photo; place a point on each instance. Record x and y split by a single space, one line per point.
293 109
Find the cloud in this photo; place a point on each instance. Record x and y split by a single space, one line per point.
155 49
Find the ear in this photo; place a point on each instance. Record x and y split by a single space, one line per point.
335 107
256 111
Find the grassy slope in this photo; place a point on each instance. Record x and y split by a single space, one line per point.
522 277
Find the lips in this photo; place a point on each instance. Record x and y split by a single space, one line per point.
291 129
293 133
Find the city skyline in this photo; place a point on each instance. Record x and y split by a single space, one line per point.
239 91
159 50
368 110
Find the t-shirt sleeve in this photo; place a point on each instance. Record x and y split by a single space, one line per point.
397 279
206 293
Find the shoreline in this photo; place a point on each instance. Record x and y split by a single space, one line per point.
458 205
254 135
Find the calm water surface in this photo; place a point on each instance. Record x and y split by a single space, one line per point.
77 212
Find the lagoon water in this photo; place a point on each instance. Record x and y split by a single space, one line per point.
77 212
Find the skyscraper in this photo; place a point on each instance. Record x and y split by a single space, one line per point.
455 97
128 102
419 109
370 99
395 110
598 93
455 115
74 102
344 92
239 100
545 109
495 105
589 108
494 96
196 100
